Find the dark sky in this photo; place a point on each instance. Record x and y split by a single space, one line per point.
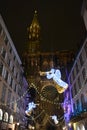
61 22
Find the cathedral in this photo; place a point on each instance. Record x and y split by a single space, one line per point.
42 91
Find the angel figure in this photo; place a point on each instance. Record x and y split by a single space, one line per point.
55 74
31 105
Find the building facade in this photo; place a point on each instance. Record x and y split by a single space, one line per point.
78 83
13 84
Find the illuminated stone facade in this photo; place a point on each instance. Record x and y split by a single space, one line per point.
12 83
78 83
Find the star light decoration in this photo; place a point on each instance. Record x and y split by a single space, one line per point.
55 74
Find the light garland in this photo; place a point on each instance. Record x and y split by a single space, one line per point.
43 111
13 102
43 98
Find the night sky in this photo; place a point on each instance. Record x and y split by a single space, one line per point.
62 26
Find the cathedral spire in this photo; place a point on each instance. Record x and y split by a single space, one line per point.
34 29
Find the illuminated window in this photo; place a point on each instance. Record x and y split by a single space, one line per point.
5 117
11 119
82 127
77 128
1 114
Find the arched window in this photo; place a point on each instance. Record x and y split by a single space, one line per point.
82 127
11 119
1 114
5 117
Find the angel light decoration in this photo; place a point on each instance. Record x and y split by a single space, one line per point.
31 105
55 74
54 117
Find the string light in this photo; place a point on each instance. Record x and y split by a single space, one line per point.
43 111
43 98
